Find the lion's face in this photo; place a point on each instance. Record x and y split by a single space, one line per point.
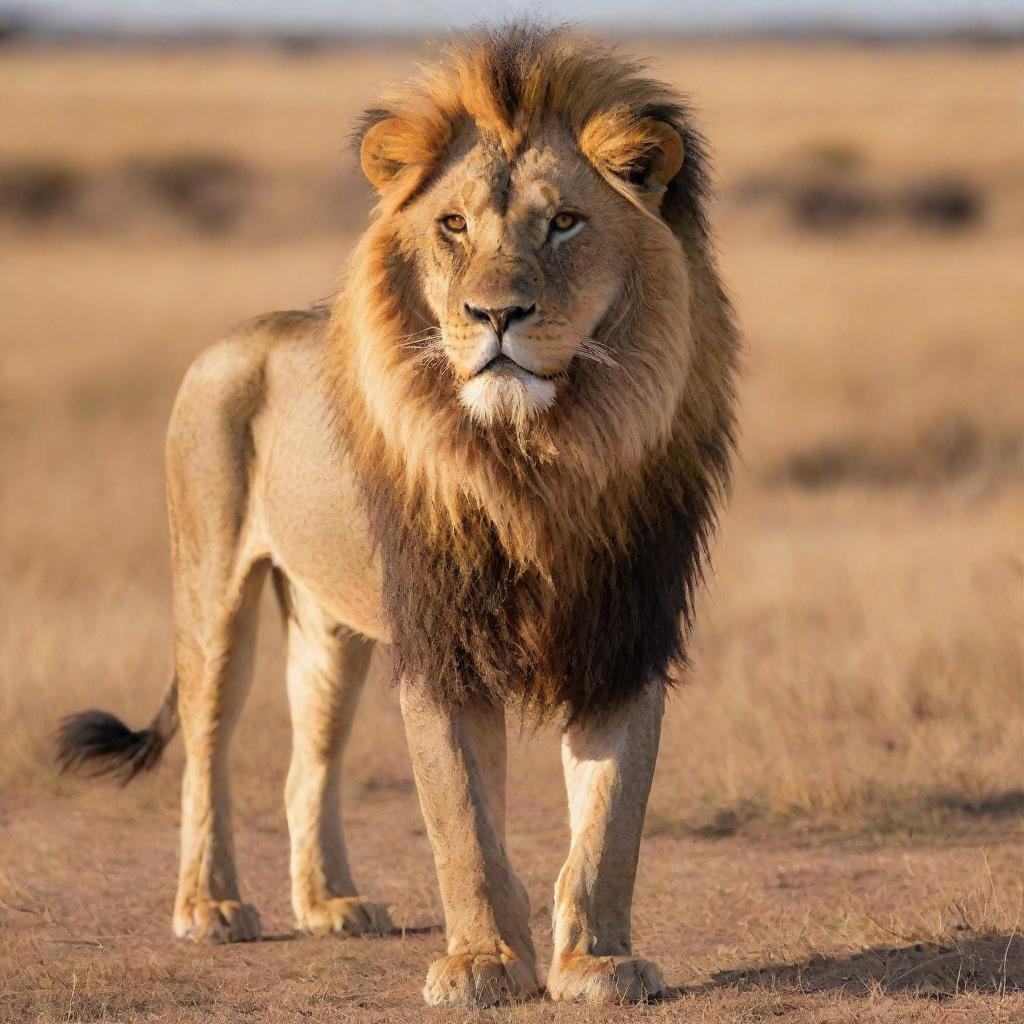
519 263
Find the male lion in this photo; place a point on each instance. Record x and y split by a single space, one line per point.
500 452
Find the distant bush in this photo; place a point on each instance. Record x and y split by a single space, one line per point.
943 450
38 192
206 189
942 203
828 206
823 190
835 155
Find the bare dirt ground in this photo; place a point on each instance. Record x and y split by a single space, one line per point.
836 828
748 930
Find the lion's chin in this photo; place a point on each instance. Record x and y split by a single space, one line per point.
511 395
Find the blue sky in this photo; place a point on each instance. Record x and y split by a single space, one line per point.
406 15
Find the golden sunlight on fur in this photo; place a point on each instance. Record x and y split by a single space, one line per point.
501 452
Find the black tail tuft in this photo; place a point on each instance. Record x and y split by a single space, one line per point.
100 744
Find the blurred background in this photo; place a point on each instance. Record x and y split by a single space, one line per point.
170 168
911 18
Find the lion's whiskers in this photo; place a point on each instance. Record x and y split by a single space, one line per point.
590 348
596 352
420 339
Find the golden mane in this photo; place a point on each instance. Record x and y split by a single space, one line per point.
508 82
514 560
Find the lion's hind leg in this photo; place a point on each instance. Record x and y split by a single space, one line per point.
327 666
214 669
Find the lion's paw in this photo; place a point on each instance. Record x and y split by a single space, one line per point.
605 979
345 915
476 980
216 921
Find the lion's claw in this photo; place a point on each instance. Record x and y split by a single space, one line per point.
346 915
605 979
206 920
477 980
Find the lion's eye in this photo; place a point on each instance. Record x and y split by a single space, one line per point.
454 222
565 221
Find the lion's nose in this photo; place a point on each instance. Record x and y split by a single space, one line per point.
500 318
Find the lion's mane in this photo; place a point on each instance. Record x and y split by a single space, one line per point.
553 567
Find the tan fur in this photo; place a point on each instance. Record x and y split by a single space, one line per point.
332 446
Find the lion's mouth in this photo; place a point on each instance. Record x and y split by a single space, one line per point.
505 366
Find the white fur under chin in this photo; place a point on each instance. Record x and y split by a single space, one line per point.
515 398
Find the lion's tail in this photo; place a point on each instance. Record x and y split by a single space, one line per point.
100 744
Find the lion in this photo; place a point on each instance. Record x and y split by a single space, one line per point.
500 452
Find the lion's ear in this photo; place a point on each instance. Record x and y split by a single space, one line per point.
397 154
642 153
380 152
664 158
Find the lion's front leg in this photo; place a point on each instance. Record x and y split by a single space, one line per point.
459 760
608 766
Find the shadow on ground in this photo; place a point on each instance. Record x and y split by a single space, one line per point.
984 964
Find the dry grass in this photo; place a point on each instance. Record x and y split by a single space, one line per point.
857 668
